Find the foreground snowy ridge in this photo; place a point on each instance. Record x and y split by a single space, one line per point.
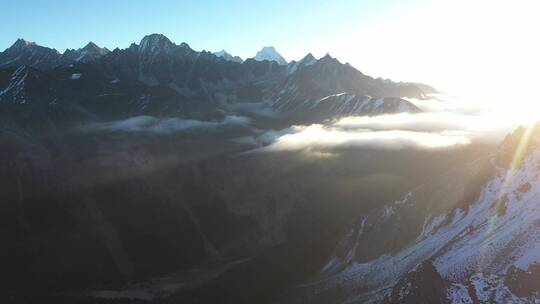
485 251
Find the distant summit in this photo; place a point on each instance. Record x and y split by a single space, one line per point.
156 44
88 53
22 43
223 54
271 54
94 48
24 52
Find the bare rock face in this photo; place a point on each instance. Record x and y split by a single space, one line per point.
524 283
423 285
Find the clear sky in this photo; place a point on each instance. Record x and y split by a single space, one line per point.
457 45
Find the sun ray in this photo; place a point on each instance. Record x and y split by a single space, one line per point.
517 159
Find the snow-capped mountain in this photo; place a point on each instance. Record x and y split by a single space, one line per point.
271 54
469 236
223 54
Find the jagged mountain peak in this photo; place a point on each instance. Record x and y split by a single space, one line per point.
308 59
24 52
155 37
328 58
91 46
89 52
155 43
271 54
158 44
268 48
222 53
22 43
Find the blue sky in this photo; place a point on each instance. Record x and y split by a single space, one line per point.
452 44
241 27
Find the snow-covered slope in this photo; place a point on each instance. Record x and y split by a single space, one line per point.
346 104
478 228
25 86
271 54
15 89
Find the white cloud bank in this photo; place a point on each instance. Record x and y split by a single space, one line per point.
319 137
443 125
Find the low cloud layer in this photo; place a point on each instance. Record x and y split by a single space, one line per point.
442 125
474 127
163 125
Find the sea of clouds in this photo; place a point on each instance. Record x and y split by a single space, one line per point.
444 123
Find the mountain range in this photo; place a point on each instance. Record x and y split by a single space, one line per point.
159 77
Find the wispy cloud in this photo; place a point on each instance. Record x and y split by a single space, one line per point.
262 109
162 125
